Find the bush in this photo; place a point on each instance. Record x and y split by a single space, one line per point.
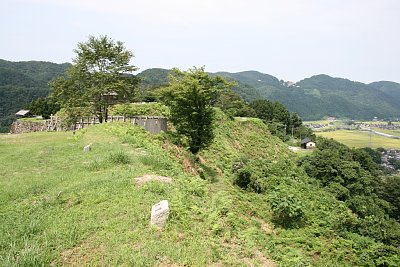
287 208
243 178
381 229
140 109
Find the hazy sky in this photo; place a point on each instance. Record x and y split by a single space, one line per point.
290 39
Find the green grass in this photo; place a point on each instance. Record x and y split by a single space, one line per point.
60 206
55 209
32 119
361 139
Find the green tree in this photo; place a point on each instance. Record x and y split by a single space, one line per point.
280 121
100 76
375 154
233 105
264 109
43 106
390 191
191 95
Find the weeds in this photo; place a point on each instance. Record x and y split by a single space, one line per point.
119 158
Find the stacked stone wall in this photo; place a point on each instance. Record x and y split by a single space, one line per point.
22 126
152 124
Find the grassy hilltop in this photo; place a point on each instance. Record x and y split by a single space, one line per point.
60 206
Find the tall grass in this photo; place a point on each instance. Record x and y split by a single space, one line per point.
60 206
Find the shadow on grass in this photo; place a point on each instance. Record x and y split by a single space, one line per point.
207 173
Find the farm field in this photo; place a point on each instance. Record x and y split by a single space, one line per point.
355 138
378 122
392 132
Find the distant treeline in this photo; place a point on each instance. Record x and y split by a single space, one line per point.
22 82
312 98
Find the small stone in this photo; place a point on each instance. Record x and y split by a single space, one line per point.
159 213
87 148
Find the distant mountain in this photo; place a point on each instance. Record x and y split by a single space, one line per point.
322 95
155 77
389 88
314 97
22 82
252 78
339 97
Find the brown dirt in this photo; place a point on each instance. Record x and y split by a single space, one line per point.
266 228
139 181
81 255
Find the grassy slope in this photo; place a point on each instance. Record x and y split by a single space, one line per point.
61 206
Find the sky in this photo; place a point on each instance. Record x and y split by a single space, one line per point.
289 39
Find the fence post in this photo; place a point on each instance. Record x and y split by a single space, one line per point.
50 126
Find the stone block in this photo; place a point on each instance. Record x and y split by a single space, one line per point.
87 148
159 213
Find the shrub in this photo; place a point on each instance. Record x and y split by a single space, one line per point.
139 109
287 208
243 178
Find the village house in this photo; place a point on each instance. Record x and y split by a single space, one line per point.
23 113
307 143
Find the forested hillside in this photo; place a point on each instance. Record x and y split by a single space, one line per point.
389 88
314 97
22 82
322 95
344 98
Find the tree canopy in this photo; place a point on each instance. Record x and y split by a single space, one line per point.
353 177
43 106
101 75
191 95
281 122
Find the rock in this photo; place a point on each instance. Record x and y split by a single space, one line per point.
159 213
87 148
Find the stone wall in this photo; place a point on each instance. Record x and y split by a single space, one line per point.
23 126
152 124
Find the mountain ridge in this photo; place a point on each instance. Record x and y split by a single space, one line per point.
320 95
312 98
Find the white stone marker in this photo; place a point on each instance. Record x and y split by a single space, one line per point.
87 148
159 213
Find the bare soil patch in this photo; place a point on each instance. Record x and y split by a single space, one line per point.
139 181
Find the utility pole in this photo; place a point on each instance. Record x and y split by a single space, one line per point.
370 138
